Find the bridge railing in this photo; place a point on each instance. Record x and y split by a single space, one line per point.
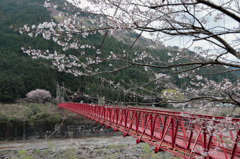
183 134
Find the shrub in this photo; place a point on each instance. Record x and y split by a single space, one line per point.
39 96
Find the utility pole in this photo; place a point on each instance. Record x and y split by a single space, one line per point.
60 93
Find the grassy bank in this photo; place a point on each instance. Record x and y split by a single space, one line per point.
30 112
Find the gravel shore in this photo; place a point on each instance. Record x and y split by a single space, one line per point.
110 147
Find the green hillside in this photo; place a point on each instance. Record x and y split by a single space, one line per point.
20 74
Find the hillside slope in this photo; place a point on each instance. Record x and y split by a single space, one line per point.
20 73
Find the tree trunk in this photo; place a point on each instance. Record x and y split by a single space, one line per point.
7 132
24 130
74 132
15 130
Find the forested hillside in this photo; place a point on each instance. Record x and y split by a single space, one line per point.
20 73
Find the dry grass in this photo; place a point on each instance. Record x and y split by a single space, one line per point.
27 111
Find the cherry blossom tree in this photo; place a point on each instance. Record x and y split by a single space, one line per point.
39 96
208 28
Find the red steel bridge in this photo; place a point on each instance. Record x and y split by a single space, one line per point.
183 134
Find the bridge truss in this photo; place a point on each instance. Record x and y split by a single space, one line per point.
183 134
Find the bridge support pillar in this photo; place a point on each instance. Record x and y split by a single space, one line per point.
125 134
138 141
157 149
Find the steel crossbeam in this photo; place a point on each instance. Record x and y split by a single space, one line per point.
182 134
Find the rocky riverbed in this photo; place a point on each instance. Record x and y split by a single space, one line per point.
110 147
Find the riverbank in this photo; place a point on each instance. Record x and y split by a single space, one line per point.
31 121
107 147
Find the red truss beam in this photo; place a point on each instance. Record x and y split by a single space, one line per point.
182 134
